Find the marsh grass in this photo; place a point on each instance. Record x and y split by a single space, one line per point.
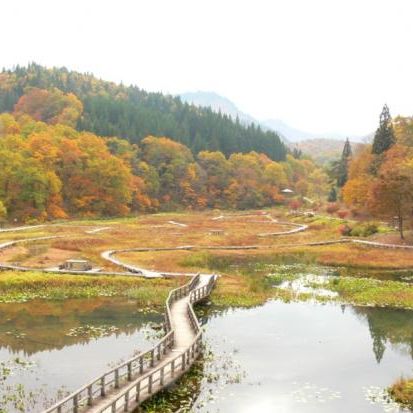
20 287
402 392
371 292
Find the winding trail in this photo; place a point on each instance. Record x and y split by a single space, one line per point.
129 384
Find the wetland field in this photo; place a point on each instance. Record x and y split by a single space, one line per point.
289 327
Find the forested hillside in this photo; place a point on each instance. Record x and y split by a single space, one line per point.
51 171
132 113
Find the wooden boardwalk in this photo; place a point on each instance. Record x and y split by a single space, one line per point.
125 387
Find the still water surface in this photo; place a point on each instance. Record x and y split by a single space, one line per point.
52 347
305 357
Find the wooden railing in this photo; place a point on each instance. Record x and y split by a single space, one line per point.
144 364
156 378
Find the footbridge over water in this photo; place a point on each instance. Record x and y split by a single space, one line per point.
125 387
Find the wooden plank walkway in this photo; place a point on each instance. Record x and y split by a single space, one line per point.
125 387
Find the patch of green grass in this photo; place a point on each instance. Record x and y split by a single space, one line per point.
20 287
362 291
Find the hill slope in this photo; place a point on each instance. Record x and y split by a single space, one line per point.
217 103
324 150
128 112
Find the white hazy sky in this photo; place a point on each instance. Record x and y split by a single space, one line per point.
319 65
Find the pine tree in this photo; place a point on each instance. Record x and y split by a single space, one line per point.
384 137
297 153
332 196
342 173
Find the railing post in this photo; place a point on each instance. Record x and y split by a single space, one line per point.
141 365
183 361
138 391
114 407
90 395
150 384
130 371
75 403
126 408
161 376
117 379
173 368
102 387
152 357
159 351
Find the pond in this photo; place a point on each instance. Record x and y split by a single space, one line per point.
50 348
305 357
297 357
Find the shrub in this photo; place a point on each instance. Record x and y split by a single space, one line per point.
364 230
342 214
344 230
359 230
332 208
295 204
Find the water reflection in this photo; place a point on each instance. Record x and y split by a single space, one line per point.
53 347
388 327
41 325
306 357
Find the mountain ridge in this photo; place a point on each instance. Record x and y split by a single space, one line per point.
289 134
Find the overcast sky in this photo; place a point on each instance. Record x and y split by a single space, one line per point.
319 65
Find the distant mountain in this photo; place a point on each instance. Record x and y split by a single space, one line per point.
287 133
296 135
222 104
217 103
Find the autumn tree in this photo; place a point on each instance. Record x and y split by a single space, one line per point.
51 106
403 130
391 193
171 161
355 191
216 170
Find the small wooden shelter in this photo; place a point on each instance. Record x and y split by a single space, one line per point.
76 265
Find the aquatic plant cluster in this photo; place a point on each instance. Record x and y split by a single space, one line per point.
15 395
402 392
92 331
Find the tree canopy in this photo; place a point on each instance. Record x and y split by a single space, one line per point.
53 171
107 109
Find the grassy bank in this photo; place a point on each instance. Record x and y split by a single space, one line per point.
20 287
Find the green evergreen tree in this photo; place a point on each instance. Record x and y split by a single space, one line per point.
332 196
297 153
342 170
384 136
